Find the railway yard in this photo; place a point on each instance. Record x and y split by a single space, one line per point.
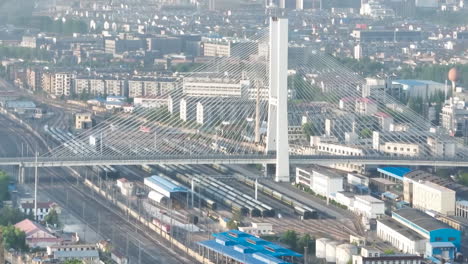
212 193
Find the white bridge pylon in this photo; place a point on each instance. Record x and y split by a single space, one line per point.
277 133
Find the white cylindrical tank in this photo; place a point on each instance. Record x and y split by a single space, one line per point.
330 251
345 252
320 245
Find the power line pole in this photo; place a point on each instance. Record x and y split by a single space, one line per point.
36 179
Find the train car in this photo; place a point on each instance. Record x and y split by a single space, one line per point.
166 228
210 204
277 195
267 190
147 168
306 212
267 212
239 208
158 198
312 213
220 168
111 172
108 172
253 211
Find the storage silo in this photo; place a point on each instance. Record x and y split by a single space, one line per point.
345 252
330 251
320 245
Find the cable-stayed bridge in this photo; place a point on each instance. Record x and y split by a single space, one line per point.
264 105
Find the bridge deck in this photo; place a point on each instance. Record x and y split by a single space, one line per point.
254 159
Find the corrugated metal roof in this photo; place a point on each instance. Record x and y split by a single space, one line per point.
396 172
421 219
165 184
20 104
248 249
416 82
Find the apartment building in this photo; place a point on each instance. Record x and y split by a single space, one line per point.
406 149
63 84
216 49
47 81
454 117
81 85
441 146
214 87
33 79
366 106
97 86
115 87
334 148
135 88
151 88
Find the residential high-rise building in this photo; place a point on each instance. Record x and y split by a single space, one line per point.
62 84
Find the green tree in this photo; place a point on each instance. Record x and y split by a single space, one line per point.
310 130
304 90
290 238
389 252
366 66
231 224
186 67
10 216
237 216
306 241
14 238
4 181
366 133
463 178
416 104
73 261
52 218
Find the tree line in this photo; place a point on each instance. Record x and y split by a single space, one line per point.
47 24
24 53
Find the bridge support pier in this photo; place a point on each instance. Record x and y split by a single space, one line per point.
277 134
21 174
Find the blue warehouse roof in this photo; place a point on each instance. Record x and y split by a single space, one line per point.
248 249
166 185
395 172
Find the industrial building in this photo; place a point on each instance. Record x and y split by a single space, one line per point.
393 173
333 251
419 175
238 247
419 88
431 196
400 236
415 232
320 180
150 101
368 206
371 256
257 229
163 186
83 120
386 35
20 107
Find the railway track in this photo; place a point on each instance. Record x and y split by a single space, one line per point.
59 191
